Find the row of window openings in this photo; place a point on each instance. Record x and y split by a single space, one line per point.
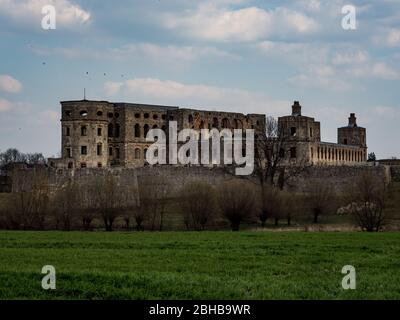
137 152
293 132
225 123
99 151
340 155
99 113
114 131
83 165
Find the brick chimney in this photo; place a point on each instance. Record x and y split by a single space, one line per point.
296 109
352 120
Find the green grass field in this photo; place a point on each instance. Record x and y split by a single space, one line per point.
203 265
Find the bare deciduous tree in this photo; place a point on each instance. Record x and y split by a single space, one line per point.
320 198
13 156
87 202
109 198
129 204
292 205
270 204
154 197
30 199
198 204
65 204
368 195
238 201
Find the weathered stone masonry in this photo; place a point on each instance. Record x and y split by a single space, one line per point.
303 146
105 134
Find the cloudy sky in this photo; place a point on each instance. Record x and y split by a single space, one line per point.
236 55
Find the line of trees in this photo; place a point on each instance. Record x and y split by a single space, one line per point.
13 155
151 204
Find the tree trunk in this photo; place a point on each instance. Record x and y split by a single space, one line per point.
235 225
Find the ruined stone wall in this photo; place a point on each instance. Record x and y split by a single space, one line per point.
395 173
336 176
177 176
104 134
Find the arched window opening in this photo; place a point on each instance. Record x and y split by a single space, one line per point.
83 131
137 130
99 149
215 122
293 153
110 130
225 123
137 153
146 129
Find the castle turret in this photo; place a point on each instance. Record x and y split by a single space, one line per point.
297 127
352 135
352 120
296 109
84 133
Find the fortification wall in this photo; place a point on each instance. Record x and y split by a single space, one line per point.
336 176
176 176
395 173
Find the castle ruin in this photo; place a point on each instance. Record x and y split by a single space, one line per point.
98 134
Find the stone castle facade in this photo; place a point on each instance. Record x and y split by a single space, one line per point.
105 134
302 141
97 134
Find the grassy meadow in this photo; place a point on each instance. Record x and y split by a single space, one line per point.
199 265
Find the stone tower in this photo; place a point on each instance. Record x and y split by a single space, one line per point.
352 135
84 133
299 128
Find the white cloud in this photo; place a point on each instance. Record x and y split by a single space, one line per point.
348 58
393 38
5 105
9 84
294 21
321 78
336 67
378 70
170 52
297 53
21 11
112 88
383 71
210 22
50 115
149 51
151 90
385 111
